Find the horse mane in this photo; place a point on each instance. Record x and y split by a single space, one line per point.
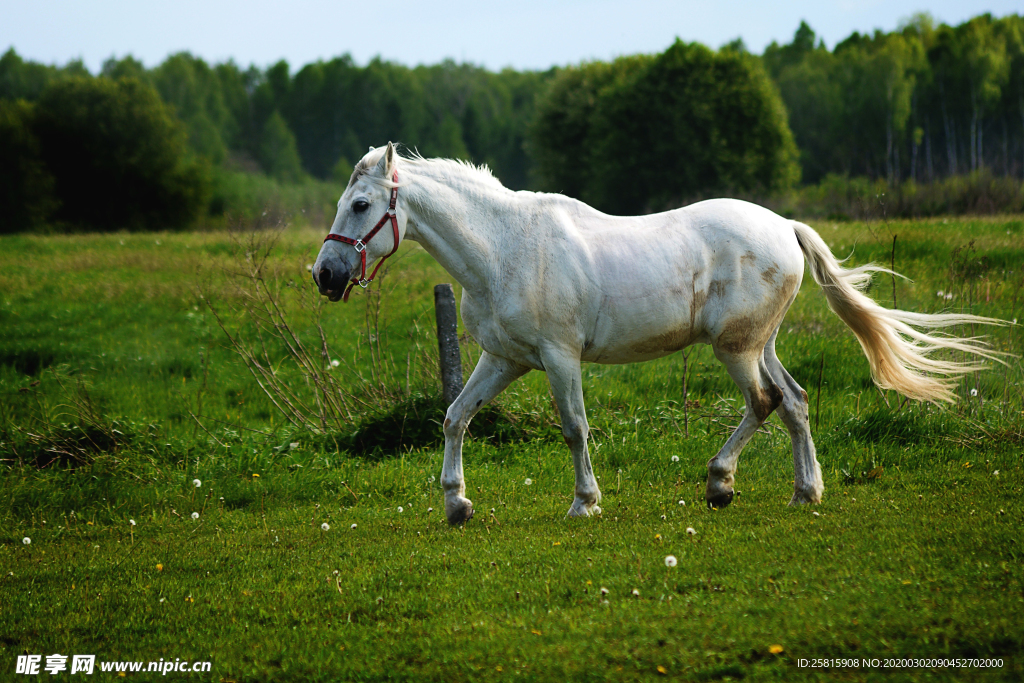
454 167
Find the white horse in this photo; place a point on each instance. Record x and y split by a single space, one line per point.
550 283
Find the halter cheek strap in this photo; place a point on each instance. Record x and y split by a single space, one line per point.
360 244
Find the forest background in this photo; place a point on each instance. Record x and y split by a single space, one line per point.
924 120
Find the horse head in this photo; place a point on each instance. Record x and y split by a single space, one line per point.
366 228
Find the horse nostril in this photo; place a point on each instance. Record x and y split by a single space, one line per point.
325 278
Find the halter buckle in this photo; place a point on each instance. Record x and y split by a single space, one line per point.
364 283
360 247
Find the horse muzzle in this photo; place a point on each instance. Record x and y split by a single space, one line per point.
331 282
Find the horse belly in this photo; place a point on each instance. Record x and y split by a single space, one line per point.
629 331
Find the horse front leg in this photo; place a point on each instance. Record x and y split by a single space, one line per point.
566 380
490 377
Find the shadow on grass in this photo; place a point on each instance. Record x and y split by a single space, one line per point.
417 422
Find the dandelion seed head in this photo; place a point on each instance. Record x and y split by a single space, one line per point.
635 593
325 526
195 515
974 392
429 510
528 481
26 540
604 591
996 473
401 509
691 531
671 561
682 502
131 522
949 296
335 363
354 526
663 518
197 483
940 293
815 513
675 458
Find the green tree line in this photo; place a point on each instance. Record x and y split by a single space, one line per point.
923 102
186 140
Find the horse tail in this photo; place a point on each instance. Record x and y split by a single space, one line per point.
898 352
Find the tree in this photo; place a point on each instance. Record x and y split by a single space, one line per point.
560 138
986 69
778 57
118 157
26 186
644 134
195 92
278 153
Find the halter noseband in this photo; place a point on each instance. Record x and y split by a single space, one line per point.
360 244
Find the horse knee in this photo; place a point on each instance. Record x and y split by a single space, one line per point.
455 421
795 411
764 400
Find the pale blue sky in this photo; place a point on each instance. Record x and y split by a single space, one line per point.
529 34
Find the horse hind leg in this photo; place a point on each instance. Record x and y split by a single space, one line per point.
808 485
761 395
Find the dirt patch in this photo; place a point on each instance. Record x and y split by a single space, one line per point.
668 341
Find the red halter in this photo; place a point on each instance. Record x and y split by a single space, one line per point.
360 245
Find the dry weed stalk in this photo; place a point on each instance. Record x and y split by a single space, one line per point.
313 388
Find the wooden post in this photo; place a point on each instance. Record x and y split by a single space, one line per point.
448 342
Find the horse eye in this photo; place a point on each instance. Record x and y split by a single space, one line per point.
360 206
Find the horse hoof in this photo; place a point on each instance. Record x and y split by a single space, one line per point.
719 500
802 498
459 511
583 509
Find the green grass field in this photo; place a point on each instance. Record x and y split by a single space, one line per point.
118 388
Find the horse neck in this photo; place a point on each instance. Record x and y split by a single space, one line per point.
455 222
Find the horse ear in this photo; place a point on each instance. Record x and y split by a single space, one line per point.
387 161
